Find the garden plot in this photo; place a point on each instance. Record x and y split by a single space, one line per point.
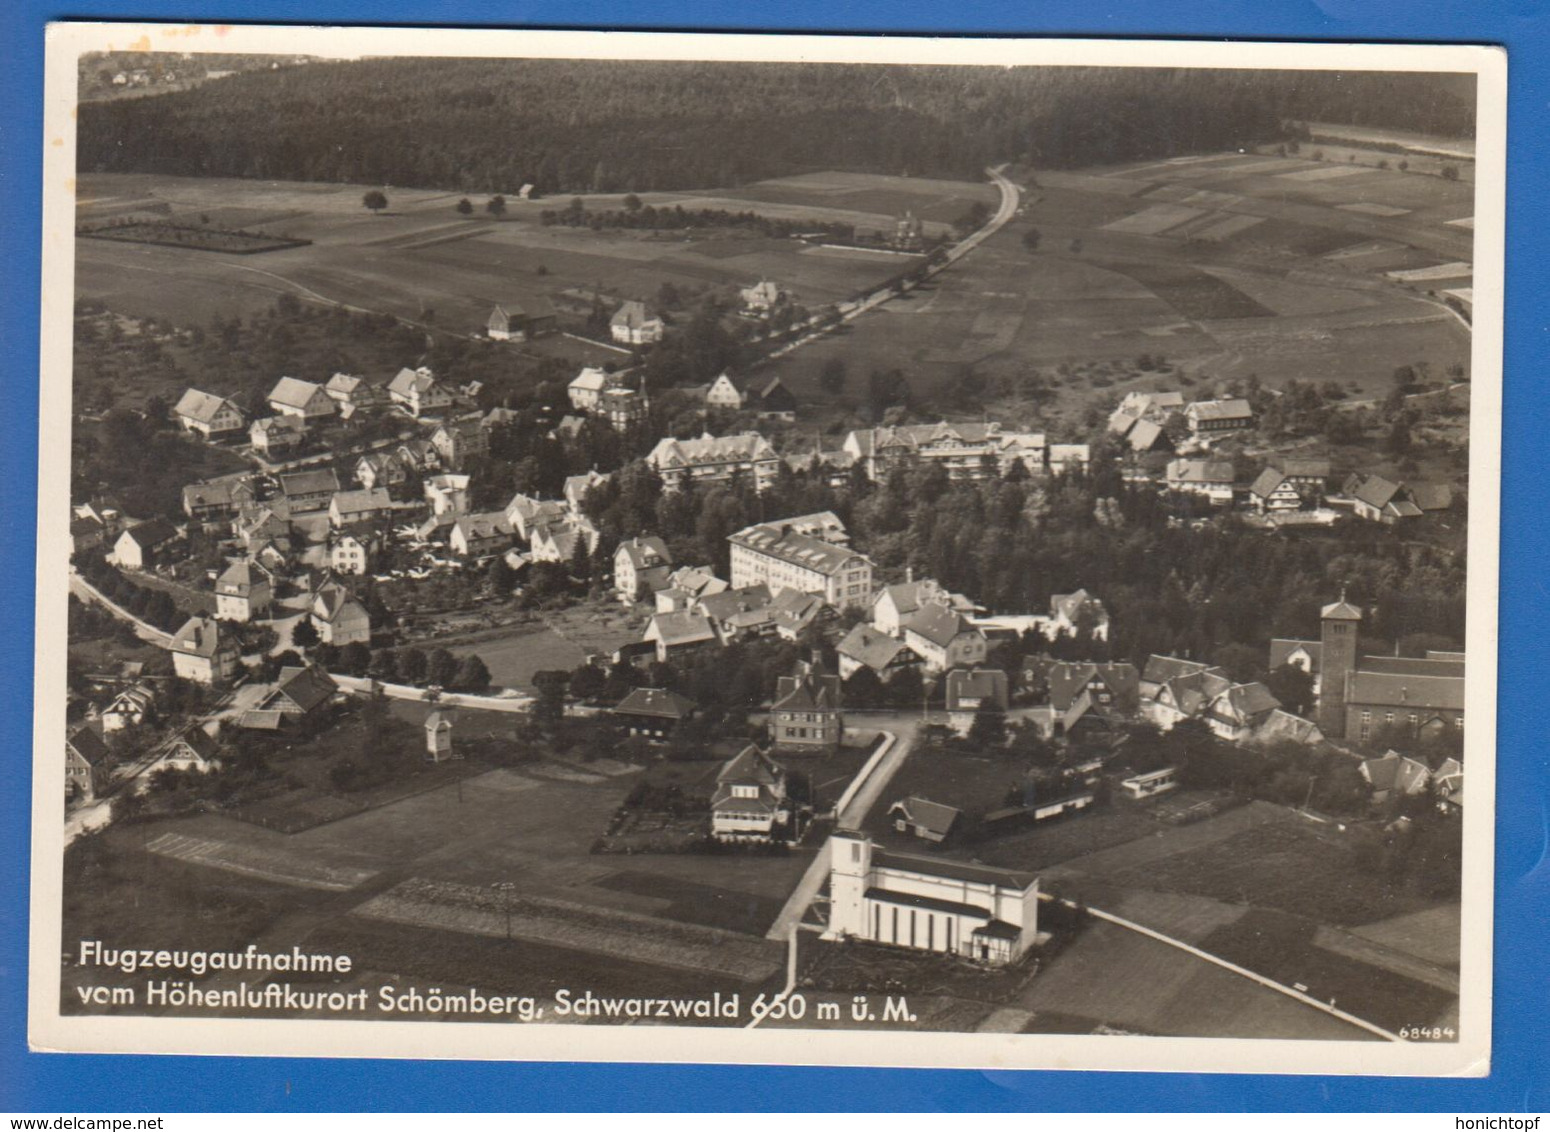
1324 173
1155 220
275 863
1370 209
1456 270
562 923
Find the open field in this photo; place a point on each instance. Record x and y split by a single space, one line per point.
513 660
1226 265
419 255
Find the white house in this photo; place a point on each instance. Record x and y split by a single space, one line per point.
447 493
761 298
641 567
201 652
339 618
724 394
242 592
304 400
715 459
929 904
586 388
633 325
750 799
418 392
141 545
347 508
211 416
479 536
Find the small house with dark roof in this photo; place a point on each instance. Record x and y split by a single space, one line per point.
300 691
750 802
866 647
194 749
87 761
143 545
273 436
971 691
923 818
1380 500
518 320
653 713
806 709
1114 689
774 402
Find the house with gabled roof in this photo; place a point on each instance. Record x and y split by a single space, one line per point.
763 297
348 508
653 713
352 393
87 762
203 652
923 818
750 803
243 592
519 320
641 568
806 709
557 541
194 750
218 500
739 614
309 490
634 325
460 442
131 707
480 535
944 639
339 618
143 545
418 456
418 392
353 549
525 513
725 394
380 469
773 401
970 691
794 612
576 488
1070 613
896 602
685 586
299 691
1281 726
1208 418
1237 713
676 632
1395 775
304 400
210 415
1114 689
585 390
1273 491
867 647
1212 479
274 436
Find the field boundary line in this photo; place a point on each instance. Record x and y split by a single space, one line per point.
1262 980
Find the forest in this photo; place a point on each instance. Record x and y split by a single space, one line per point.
599 126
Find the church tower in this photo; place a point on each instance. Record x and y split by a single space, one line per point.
1339 624
850 870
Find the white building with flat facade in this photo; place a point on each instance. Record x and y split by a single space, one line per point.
929 904
773 554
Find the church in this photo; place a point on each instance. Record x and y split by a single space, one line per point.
929 903
1361 696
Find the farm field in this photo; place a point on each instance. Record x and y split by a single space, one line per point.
420 256
1225 265
531 827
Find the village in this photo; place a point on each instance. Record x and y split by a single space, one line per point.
626 633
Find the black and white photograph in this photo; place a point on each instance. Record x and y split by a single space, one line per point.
902 552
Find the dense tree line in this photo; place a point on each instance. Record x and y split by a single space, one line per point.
599 126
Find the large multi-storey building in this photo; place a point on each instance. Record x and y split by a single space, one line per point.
715 459
968 451
777 556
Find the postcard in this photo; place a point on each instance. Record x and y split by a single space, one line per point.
782 549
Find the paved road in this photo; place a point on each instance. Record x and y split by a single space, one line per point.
1010 198
902 729
86 592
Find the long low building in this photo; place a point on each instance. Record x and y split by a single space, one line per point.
929 904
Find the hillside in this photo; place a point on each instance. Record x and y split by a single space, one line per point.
584 126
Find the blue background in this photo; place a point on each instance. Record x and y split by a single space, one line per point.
1521 1064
